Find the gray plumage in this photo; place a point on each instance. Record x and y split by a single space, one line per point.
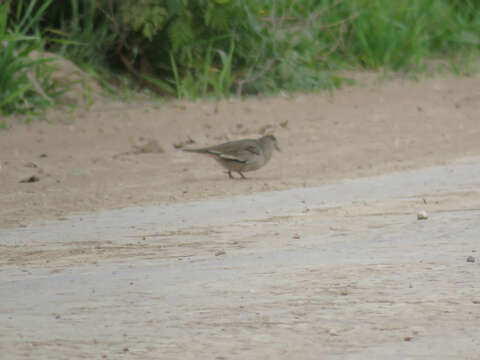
242 155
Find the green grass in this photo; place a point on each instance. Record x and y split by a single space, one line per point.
26 84
213 77
290 46
216 49
81 37
3 125
402 35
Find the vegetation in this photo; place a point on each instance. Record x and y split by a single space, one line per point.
200 48
25 77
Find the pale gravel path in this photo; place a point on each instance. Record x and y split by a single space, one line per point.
343 271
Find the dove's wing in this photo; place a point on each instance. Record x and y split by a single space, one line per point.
242 151
244 155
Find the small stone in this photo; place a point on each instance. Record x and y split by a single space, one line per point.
151 146
407 338
264 129
220 252
296 236
332 332
476 301
31 165
416 330
422 215
30 179
181 144
470 259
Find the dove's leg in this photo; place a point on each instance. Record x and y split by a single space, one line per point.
230 174
243 176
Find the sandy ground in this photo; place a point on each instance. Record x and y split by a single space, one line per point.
92 159
341 271
335 266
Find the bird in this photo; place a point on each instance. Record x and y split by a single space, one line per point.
242 155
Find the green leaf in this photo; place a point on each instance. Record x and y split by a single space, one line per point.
468 37
175 7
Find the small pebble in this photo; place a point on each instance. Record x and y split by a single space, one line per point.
476 301
422 215
407 338
220 252
332 332
470 259
151 146
416 331
30 179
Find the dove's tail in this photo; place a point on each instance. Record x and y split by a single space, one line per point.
201 151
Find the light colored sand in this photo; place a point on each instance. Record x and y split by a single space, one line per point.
362 130
221 269
342 271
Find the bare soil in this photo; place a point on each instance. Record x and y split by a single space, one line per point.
343 271
96 158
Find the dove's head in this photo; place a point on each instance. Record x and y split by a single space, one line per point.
270 141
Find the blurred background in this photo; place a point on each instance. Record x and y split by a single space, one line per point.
220 48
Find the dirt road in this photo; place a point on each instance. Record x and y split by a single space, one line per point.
95 159
340 271
331 264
